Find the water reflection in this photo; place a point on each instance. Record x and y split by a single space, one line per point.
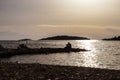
87 44
103 54
89 58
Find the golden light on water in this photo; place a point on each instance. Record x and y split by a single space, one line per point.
89 58
87 44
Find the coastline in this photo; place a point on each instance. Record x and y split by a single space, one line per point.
18 71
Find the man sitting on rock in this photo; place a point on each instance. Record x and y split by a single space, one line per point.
68 46
22 46
1 48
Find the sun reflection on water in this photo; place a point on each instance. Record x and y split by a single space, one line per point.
89 58
87 44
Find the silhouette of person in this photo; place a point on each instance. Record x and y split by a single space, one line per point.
68 45
1 47
22 46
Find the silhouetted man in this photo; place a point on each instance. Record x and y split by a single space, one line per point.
1 47
68 45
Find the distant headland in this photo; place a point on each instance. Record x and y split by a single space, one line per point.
65 37
25 40
113 38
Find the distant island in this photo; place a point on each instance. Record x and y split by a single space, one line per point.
25 40
65 38
114 38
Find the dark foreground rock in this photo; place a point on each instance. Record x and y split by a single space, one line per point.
15 71
7 53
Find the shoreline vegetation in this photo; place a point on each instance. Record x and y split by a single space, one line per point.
20 71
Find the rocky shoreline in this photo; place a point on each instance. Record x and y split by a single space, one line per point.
18 71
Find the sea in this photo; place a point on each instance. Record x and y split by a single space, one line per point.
101 54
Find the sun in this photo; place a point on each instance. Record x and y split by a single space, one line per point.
84 3
90 2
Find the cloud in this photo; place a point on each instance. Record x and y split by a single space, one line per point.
26 12
11 35
40 18
47 25
113 30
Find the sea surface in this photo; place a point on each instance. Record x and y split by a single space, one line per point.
102 54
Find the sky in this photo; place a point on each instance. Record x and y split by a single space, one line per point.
37 19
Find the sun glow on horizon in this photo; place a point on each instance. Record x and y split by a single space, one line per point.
85 3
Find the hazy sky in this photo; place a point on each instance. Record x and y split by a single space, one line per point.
42 18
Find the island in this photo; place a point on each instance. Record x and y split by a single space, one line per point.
114 38
65 37
25 40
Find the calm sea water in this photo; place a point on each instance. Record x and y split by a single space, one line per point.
103 54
